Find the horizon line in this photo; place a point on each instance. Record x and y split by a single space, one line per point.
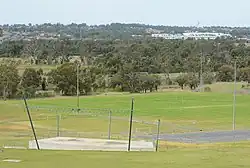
125 23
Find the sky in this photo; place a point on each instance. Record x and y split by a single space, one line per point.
153 12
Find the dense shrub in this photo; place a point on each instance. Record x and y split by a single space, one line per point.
207 89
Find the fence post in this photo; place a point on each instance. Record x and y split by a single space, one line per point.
109 127
58 125
130 124
158 134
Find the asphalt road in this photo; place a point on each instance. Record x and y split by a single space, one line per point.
207 137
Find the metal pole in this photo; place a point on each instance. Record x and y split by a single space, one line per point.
234 97
201 72
77 85
158 134
110 120
131 123
58 125
31 123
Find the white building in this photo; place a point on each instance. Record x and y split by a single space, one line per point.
194 35
168 36
205 36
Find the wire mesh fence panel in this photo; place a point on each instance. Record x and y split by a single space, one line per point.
70 122
109 124
14 128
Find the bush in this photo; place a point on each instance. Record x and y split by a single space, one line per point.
208 78
29 92
207 89
42 94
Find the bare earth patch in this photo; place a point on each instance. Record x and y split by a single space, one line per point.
13 127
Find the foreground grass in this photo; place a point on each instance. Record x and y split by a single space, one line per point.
228 156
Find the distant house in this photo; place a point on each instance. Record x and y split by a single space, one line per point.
194 35
168 36
205 36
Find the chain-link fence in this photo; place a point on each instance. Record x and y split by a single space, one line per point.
107 124
50 122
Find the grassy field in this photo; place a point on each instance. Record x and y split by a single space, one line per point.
219 156
179 112
205 109
191 111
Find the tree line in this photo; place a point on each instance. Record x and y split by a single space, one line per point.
129 65
117 30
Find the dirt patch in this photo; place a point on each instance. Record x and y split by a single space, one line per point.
13 127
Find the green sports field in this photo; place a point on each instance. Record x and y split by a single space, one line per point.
203 110
191 111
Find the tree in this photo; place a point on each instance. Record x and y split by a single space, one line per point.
1 32
182 80
31 49
147 82
31 78
64 78
44 84
225 73
208 78
245 74
192 81
9 80
30 81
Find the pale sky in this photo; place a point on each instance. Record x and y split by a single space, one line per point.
156 12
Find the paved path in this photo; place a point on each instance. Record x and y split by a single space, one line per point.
207 137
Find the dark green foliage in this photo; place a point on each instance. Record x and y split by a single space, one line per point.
208 78
64 78
44 84
182 80
9 80
189 79
192 81
1 32
30 82
132 65
245 74
31 78
207 89
225 73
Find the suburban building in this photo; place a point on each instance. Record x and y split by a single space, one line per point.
206 36
192 35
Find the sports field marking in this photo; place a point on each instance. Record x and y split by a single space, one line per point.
197 107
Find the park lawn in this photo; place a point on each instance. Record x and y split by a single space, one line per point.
219 156
204 109
178 111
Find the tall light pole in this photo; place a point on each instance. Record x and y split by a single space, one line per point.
234 95
201 72
77 85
